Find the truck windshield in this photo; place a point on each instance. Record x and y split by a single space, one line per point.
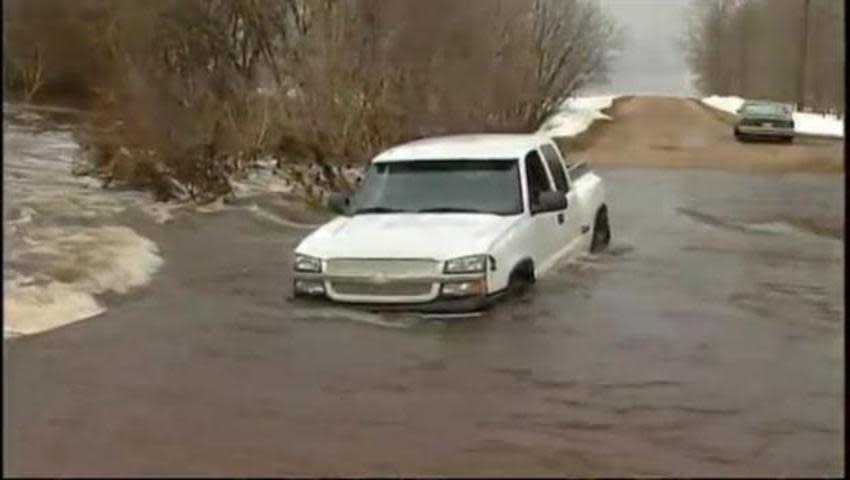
440 186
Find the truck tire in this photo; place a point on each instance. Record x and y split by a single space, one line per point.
521 278
601 235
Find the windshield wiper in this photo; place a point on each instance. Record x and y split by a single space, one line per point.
451 210
379 210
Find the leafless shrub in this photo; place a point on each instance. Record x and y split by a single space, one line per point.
189 92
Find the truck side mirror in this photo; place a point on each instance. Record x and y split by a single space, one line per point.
549 202
338 203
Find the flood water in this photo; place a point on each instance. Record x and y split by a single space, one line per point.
708 340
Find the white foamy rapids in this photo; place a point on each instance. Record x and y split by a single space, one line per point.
71 265
376 319
38 308
778 228
53 266
162 212
37 177
268 216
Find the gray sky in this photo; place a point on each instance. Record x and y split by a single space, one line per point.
651 60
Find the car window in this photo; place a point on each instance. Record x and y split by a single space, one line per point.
538 181
763 109
556 167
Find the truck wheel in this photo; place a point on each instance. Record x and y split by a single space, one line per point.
522 277
601 236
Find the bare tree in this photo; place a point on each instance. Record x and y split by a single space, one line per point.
572 41
742 47
191 91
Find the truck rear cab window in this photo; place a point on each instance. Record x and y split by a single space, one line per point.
538 181
556 167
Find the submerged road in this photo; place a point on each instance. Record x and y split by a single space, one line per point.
707 341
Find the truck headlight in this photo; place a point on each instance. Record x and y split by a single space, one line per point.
464 289
304 263
469 264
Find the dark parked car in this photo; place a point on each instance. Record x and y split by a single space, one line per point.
766 120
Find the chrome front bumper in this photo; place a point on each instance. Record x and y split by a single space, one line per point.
387 289
755 130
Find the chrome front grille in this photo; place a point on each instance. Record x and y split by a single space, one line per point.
382 280
391 289
356 267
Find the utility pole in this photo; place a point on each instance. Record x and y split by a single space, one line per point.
747 34
804 54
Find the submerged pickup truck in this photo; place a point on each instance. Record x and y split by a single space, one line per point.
449 224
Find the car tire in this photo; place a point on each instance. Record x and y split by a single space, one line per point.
601 234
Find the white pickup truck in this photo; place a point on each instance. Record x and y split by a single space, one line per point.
449 224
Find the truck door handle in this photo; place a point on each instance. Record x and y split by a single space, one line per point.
560 218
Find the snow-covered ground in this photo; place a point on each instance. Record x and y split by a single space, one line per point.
804 122
576 115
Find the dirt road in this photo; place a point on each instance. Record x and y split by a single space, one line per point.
675 133
707 341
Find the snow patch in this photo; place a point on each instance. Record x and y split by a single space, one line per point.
727 104
804 122
215 206
576 115
817 124
261 182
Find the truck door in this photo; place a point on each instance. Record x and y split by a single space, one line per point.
570 228
544 226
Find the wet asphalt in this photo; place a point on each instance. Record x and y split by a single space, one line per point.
708 340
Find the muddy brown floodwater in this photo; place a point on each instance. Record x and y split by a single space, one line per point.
707 341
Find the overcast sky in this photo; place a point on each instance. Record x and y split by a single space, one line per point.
651 60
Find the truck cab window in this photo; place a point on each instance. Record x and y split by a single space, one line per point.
556 167
538 181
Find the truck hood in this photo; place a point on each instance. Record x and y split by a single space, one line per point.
439 236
